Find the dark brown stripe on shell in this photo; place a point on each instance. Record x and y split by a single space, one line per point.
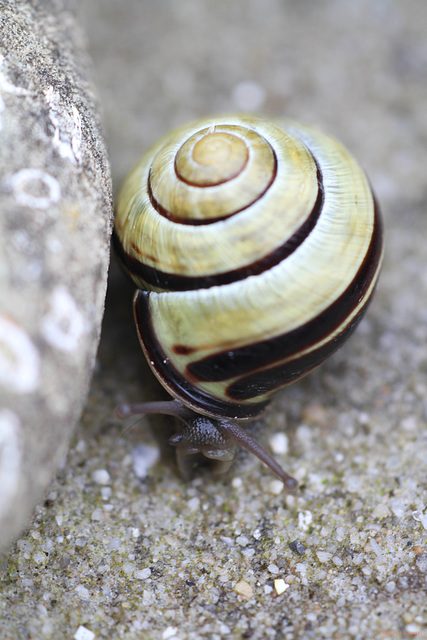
171 282
243 361
178 386
268 380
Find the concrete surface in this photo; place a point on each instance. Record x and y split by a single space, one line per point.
116 553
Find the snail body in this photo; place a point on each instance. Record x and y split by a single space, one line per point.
256 246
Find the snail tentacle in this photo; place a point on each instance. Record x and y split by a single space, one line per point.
234 431
167 407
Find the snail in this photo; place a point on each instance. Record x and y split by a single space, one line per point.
255 246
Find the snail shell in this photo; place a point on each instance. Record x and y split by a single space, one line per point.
256 246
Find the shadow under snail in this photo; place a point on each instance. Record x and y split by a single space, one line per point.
255 246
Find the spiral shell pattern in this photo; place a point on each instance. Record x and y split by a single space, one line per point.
260 244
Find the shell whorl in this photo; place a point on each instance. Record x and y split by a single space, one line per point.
261 245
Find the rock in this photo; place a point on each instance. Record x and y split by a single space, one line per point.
297 547
55 222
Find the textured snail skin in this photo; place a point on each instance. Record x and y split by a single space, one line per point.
256 246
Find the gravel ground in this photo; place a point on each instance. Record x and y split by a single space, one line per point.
122 546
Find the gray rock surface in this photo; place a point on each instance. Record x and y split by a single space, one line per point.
55 218
118 551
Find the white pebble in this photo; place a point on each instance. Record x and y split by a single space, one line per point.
323 556
82 592
381 511
390 586
375 548
228 541
398 508
279 443
353 483
290 501
169 633
39 557
413 629
48 545
340 533
276 487
242 541
144 457
301 568
142 574
83 633
410 423
419 516
81 446
97 515
194 504
305 518
81 542
280 586
27 582
115 544
128 568
106 493
273 568
304 435
101 476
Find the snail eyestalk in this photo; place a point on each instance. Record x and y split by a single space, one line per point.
235 432
200 427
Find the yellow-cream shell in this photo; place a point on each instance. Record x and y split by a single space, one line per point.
185 232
